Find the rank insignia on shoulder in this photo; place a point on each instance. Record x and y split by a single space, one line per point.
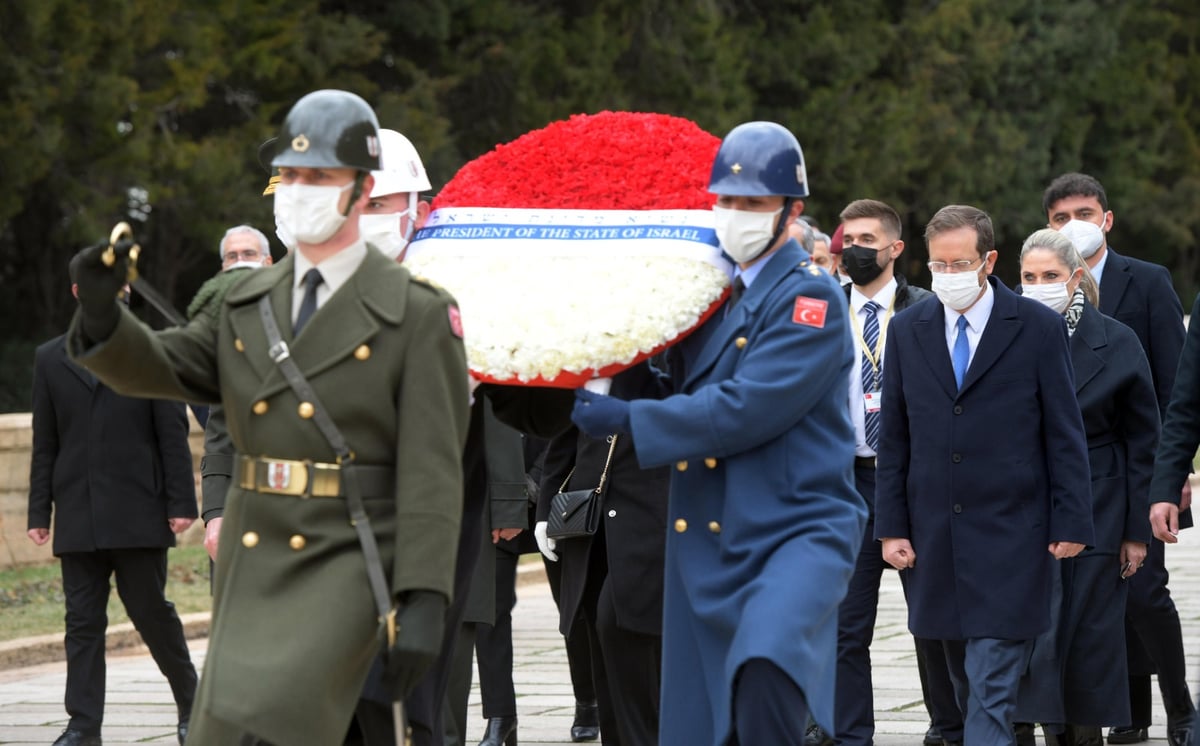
456 321
810 311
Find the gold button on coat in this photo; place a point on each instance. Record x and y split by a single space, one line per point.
680 525
306 410
250 539
740 342
681 465
362 352
710 462
239 345
714 527
297 542
261 407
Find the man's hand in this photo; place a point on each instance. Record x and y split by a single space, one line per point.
505 533
1133 555
1064 549
179 525
1185 495
546 545
1164 521
97 287
598 415
39 535
898 553
212 532
420 618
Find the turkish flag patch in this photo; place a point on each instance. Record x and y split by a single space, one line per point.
456 321
810 311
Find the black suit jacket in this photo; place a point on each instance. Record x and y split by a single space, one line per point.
1140 295
1120 416
111 468
1181 428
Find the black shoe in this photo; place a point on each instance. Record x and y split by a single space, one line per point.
587 722
72 737
1125 734
500 732
816 736
933 737
1180 736
1024 734
181 730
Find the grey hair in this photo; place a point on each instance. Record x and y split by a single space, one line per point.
1048 239
263 246
807 238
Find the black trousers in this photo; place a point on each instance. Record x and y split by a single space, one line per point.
768 706
1152 622
141 576
493 644
579 649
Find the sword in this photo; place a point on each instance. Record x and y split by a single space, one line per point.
120 242
398 721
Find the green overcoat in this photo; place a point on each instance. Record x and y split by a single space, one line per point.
294 624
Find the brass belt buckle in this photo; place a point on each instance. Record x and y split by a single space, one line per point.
282 477
325 481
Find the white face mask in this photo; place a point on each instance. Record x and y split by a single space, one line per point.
1086 235
383 231
1053 295
843 279
243 264
958 290
743 234
310 213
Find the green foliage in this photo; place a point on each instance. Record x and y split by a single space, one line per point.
154 109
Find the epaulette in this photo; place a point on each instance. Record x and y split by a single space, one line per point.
806 264
208 298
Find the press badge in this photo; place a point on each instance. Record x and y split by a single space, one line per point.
873 401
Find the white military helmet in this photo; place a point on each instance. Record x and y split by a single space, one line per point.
401 169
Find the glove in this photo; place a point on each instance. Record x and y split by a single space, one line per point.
420 620
97 287
598 415
545 544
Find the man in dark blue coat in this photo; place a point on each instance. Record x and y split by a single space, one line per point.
762 538
981 448
1140 295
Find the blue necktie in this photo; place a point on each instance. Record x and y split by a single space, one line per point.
870 379
962 352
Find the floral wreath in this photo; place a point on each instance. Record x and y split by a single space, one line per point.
579 249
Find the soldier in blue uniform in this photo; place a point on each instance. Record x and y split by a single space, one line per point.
762 538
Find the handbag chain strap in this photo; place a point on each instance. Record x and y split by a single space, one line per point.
612 446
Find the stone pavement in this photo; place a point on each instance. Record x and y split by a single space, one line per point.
140 709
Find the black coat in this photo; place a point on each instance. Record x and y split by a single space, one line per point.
111 468
1120 415
633 519
1140 295
1181 427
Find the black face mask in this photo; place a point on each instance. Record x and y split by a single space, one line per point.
861 264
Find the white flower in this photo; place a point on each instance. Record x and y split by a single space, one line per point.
525 318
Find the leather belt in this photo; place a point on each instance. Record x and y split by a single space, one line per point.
864 462
304 479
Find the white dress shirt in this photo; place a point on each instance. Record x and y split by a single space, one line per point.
884 298
1098 270
977 318
335 270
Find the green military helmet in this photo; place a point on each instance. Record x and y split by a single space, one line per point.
329 129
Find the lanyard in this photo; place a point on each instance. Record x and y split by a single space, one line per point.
875 357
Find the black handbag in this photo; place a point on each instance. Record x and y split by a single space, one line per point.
577 513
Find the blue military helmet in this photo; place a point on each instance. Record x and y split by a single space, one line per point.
759 159
329 129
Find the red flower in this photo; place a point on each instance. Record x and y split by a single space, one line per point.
613 160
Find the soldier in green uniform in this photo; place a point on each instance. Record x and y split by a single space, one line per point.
295 620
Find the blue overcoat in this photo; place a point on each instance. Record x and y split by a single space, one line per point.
982 479
764 522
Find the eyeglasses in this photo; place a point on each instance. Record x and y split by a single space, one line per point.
249 255
962 265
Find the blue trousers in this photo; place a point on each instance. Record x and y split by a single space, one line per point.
768 707
986 673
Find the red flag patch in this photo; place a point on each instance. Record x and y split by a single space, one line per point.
810 311
456 321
